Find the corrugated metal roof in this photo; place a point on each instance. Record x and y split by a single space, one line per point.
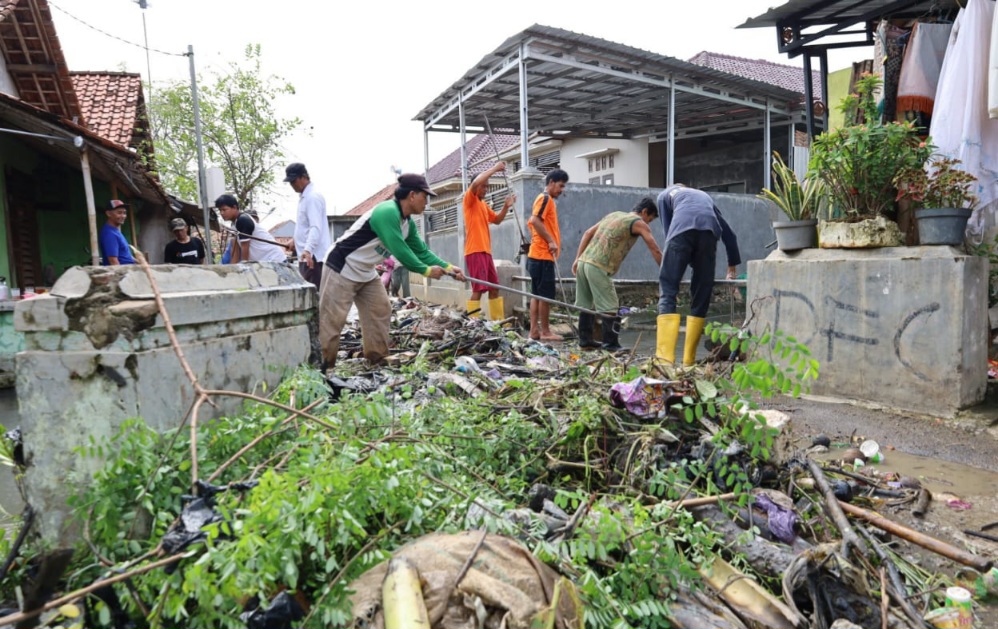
111 161
849 12
584 86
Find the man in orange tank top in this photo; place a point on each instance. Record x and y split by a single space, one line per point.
478 242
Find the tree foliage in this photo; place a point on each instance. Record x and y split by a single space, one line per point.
241 129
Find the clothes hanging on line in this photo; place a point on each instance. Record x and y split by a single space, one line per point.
923 58
961 127
993 70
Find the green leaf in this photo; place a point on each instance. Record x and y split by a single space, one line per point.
706 389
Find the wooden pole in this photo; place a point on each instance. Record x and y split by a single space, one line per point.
939 547
88 188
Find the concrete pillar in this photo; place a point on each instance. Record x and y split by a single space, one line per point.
904 327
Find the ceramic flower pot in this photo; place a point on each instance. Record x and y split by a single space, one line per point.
942 225
796 235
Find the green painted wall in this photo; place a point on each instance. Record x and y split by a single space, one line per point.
61 209
838 88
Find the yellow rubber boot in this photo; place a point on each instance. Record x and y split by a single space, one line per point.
694 330
496 309
666 337
474 308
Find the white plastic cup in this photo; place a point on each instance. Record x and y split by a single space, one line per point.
960 599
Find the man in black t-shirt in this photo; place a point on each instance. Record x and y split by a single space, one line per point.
185 249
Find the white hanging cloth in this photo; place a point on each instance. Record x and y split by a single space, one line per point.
923 58
993 70
961 127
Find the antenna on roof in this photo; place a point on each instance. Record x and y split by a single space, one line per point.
396 170
144 4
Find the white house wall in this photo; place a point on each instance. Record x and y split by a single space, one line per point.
6 83
630 163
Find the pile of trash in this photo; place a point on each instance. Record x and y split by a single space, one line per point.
481 479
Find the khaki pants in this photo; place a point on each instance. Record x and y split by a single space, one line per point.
336 295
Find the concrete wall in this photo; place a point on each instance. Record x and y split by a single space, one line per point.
6 83
97 352
905 327
582 206
11 342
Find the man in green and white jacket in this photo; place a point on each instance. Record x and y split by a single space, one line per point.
351 277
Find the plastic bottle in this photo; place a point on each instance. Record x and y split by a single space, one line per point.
4 291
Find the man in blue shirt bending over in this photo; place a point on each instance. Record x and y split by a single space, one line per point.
113 246
693 226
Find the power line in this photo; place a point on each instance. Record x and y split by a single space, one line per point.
106 34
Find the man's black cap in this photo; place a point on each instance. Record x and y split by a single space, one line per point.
415 182
294 171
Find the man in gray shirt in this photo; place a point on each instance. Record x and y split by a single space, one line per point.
693 226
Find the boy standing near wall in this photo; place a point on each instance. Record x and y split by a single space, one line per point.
478 242
545 245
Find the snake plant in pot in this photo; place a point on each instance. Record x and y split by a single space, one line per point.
800 201
943 194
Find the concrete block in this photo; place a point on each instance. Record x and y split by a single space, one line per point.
904 327
44 312
874 232
72 284
91 362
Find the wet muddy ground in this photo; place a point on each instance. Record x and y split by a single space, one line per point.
955 459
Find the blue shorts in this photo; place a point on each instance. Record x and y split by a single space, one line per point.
541 277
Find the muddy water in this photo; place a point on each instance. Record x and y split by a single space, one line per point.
936 475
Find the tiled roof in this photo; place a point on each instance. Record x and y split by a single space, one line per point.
6 6
112 104
284 229
481 157
381 195
787 77
34 59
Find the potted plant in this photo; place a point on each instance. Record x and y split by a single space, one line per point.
942 193
858 164
800 201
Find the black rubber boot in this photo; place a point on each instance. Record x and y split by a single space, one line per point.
611 334
586 325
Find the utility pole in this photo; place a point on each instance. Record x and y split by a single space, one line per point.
202 180
144 4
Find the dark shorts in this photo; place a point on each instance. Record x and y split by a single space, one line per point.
480 266
541 277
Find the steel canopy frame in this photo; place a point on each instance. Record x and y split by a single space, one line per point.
547 81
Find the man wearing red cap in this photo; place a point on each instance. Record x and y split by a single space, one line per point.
113 246
351 276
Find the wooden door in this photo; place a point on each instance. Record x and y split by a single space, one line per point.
23 229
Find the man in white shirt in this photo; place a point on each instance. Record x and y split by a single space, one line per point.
311 226
253 242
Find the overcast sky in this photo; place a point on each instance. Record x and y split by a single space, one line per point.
363 70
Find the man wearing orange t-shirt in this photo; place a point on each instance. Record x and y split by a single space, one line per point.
478 242
545 245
